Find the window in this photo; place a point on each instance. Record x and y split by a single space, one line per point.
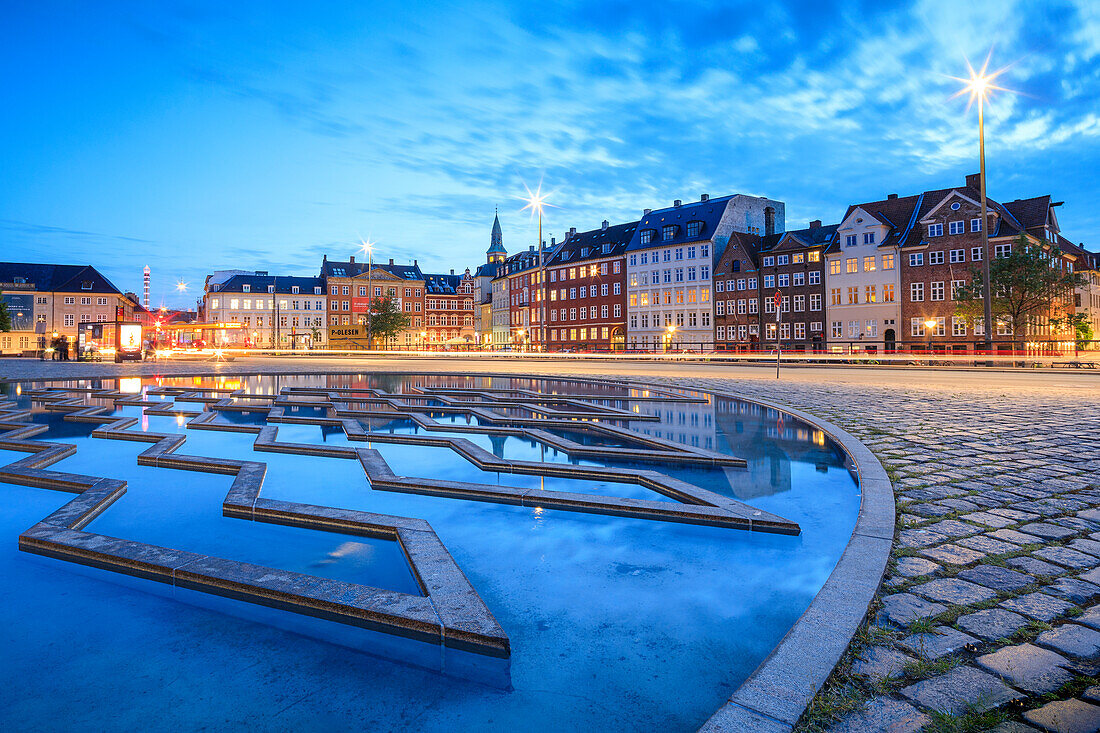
888 262
769 281
868 237
976 254
798 278
234 303
814 277
69 319
852 264
941 326
916 292
834 296
720 308
815 302
955 285
958 325
975 226
647 236
70 300
834 267
85 301
814 256
1003 250
691 273
870 294
935 258
956 227
935 291
721 332
916 259
782 260
869 264
668 232
214 303
854 327
754 305
799 303
769 261
853 295
888 293
916 326
872 328
837 329
935 230
958 255
784 280
691 253
798 258
850 240
694 228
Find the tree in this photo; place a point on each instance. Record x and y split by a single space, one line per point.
387 320
1079 324
5 317
1025 287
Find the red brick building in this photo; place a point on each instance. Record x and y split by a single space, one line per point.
449 309
793 264
945 246
586 289
737 294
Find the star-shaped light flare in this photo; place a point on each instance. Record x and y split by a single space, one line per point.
981 83
536 200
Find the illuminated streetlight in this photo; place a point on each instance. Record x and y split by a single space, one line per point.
181 286
929 324
368 250
979 85
536 202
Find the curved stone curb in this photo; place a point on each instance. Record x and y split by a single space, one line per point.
776 694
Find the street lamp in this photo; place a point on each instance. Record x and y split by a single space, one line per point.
520 333
929 324
423 339
979 85
669 332
536 202
368 249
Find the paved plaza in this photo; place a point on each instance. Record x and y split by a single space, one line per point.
989 615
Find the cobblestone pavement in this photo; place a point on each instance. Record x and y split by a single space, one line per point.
989 617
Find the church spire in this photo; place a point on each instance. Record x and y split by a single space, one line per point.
496 252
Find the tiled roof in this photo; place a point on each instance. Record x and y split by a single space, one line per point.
751 244
594 244
57 278
898 214
809 237
523 261
283 284
336 268
708 212
436 284
489 269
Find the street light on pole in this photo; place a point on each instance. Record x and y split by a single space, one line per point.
368 249
536 202
979 85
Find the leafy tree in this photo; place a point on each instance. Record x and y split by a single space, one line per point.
5 317
1079 322
1024 285
387 320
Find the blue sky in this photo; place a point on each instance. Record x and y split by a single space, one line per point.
198 136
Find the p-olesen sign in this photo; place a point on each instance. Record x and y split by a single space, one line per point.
343 333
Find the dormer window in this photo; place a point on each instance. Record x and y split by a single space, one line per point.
20 280
584 251
607 249
86 285
647 235
668 232
694 228
271 288
294 289
246 288
317 290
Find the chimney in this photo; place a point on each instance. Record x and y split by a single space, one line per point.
414 264
605 224
647 212
815 224
891 196
572 231
677 203
324 259
974 180
391 262
553 242
704 197
353 259
452 272
532 248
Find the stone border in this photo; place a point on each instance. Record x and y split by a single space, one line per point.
777 693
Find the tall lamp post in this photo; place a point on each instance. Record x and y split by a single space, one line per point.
536 202
368 249
979 85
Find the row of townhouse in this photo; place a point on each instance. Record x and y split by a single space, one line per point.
886 277
707 274
302 312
